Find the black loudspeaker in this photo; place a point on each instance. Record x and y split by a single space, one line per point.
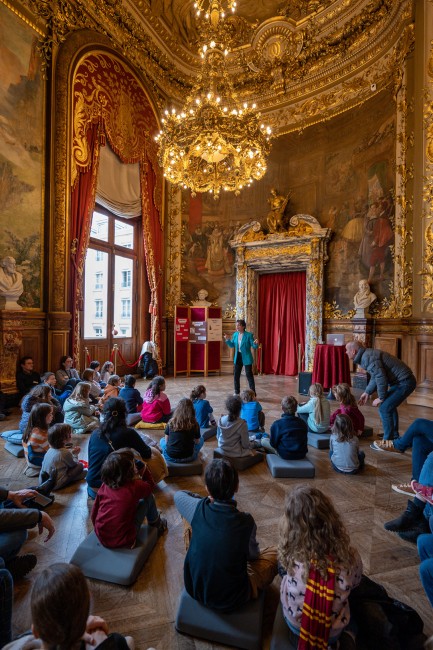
304 382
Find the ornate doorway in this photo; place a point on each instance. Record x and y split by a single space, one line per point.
303 247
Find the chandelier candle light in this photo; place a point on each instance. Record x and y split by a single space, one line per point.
215 142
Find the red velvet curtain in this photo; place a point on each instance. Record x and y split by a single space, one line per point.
82 204
282 321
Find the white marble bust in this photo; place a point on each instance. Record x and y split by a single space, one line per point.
11 284
364 297
202 302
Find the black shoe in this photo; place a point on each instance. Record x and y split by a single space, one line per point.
411 518
21 565
413 534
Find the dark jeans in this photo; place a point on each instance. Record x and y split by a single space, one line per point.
388 409
425 550
237 374
6 600
419 436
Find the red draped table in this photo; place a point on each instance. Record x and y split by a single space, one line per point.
331 366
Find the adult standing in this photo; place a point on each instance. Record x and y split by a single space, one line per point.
393 380
242 341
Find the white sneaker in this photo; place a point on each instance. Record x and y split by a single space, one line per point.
404 488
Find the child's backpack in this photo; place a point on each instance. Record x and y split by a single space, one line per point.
382 621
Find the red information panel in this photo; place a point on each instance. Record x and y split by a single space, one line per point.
182 329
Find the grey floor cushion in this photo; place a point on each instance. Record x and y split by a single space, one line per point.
241 628
242 462
319 440
281 468
14 449
185 469
280 633
208 433
119 565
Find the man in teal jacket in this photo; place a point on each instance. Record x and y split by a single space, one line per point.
242 342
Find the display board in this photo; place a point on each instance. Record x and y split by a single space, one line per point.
197 340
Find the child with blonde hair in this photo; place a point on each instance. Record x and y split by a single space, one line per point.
182 441
319 568
80 414
344 447
316 412
348 406
112 389
252 412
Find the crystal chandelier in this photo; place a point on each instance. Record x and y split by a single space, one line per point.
215 142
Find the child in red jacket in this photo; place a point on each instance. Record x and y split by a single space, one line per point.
123 501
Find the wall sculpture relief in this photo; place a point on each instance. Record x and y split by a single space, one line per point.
21 152
343 173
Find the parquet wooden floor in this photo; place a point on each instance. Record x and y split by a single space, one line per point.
147 610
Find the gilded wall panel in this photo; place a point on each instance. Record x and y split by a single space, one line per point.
343 173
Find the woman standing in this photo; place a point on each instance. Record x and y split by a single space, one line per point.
242 341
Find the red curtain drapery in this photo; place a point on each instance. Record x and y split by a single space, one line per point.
108 101
82 204
282 299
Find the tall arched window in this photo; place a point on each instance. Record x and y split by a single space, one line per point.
111 312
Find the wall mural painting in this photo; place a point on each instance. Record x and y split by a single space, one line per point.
342 172
21 152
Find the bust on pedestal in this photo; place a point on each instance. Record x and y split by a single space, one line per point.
11 285
363 299
201 301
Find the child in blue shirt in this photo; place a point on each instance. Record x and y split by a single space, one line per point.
203 410
252 412
133 400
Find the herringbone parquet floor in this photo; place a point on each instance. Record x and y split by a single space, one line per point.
147 610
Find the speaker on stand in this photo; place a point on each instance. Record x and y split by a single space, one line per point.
304 382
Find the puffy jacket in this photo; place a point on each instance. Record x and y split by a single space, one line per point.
80 415
384 370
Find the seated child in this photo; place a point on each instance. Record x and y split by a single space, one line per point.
106 372
348 406
252 412
316 412
49 379
344 447
203 410
289 434
314 546
182 441
96 366
123 501
112 389
57 626
80 414
133 400
60 459
95 388
232 432
156 405
224 567
35 437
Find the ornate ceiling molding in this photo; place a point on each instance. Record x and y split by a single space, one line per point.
309 61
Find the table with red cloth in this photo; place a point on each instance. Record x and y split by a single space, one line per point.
331 365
